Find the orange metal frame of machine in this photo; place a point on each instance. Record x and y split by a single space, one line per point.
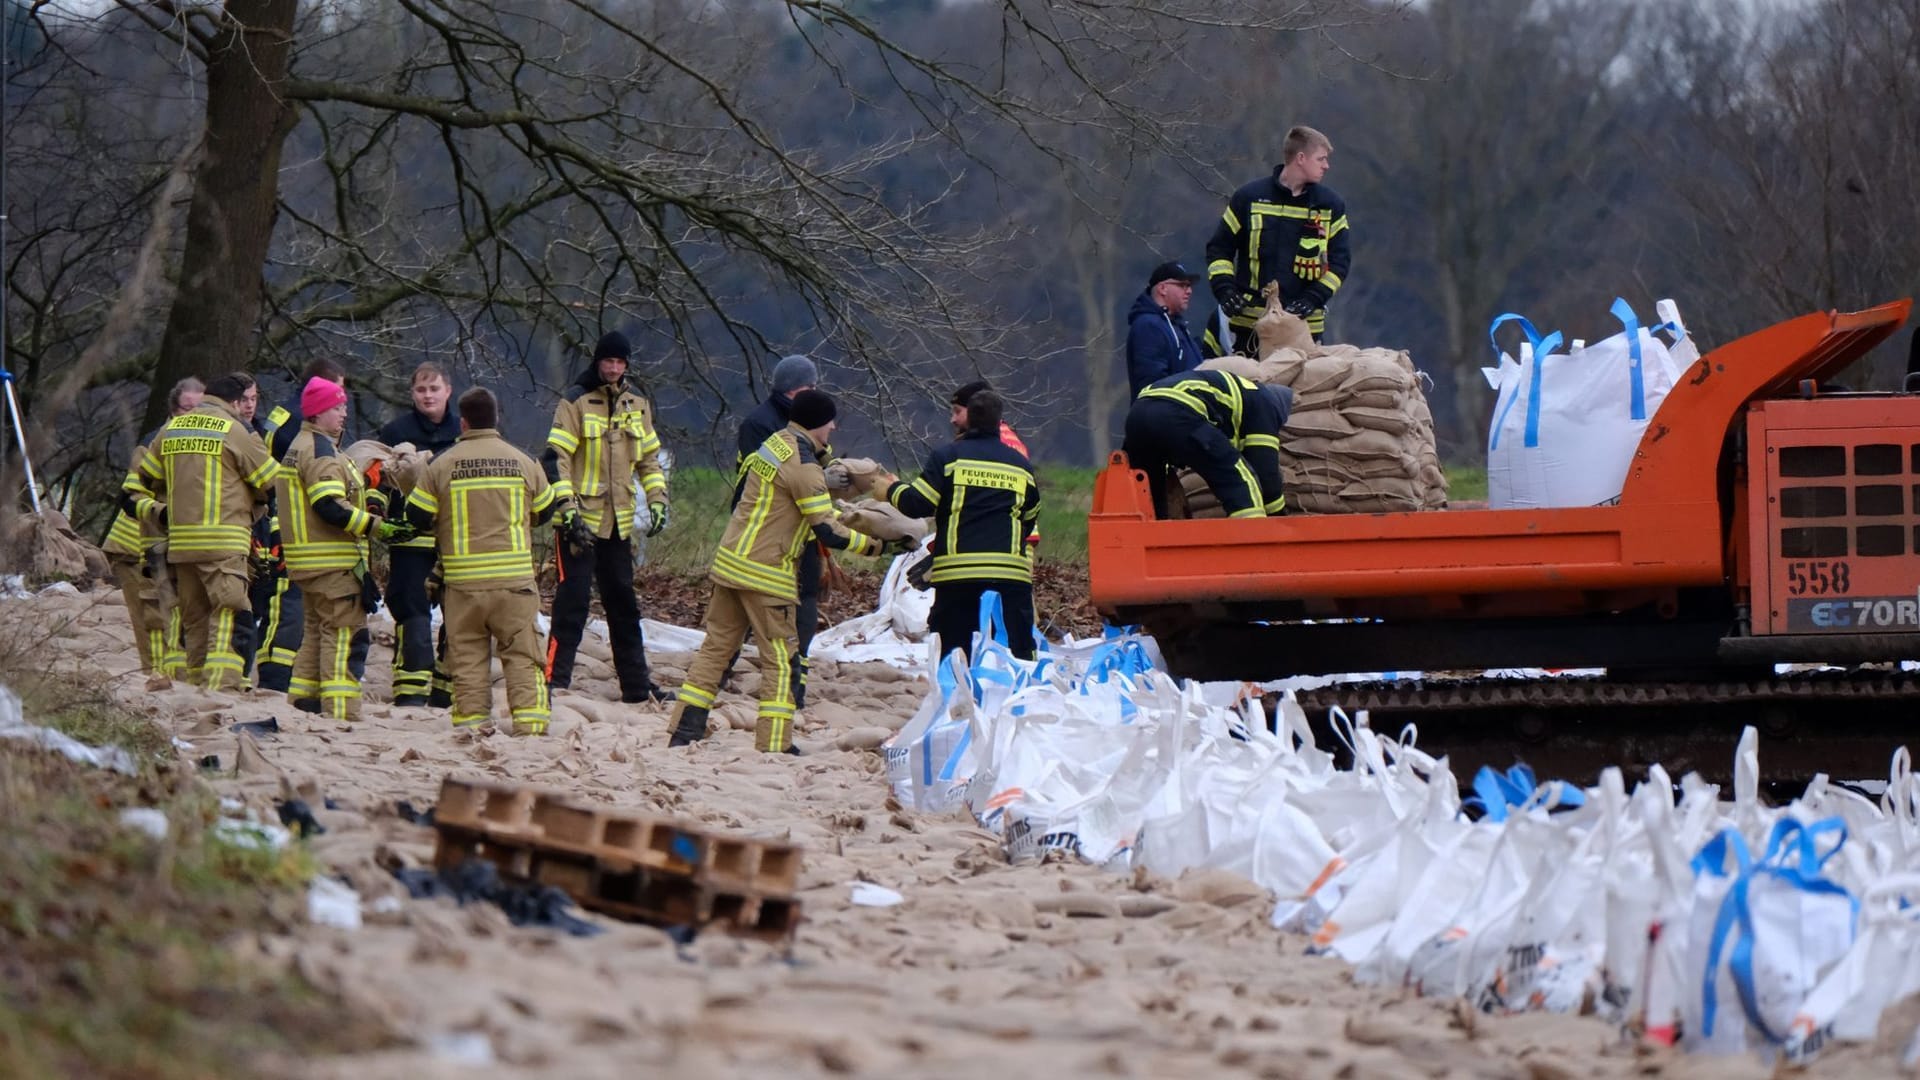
1668 531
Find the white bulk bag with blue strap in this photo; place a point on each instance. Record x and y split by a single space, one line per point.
1565 424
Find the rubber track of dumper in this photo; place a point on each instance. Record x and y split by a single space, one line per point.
1572 692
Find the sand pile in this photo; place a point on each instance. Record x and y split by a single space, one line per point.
985 970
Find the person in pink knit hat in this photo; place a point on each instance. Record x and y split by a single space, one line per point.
324 526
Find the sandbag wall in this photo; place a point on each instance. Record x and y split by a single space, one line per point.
1361 436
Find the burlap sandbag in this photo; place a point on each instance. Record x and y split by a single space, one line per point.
1195 498
404 467
1376 369
1321 374
1244 366
866 475
882 521
1392 421
1282 367
1276 329
45 548
1323 423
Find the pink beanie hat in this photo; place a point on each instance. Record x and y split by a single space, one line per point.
319 396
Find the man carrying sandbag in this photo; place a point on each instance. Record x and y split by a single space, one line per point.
1287 228
1223 426
783 505
984 500
792 376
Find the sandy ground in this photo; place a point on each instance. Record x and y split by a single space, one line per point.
987 970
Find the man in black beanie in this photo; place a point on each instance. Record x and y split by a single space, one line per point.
753 573
792 376
603 437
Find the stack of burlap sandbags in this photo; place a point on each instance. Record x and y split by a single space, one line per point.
1360 439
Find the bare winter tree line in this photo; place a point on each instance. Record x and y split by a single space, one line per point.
915 192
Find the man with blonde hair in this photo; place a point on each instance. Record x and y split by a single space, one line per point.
433 427
1287 228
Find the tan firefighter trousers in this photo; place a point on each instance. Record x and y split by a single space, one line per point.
730 614
478 622
322 668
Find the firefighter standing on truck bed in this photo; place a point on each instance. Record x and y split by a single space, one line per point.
984 500
1287 228
783 507
205 480
324 524
602 437
481 500
1223 426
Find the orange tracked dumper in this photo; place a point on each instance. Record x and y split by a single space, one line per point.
1763 522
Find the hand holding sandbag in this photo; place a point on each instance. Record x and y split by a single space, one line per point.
838 478
882 521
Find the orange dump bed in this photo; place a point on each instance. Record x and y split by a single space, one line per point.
1670 531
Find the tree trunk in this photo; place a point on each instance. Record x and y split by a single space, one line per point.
212 326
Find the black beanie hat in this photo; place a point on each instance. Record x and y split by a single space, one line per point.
812 409
613 345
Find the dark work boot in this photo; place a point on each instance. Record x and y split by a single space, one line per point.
691 726
648 694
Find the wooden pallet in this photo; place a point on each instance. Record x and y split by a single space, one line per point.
622 863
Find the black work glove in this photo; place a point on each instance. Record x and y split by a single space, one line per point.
259 564
1301 306
1228 294
576 534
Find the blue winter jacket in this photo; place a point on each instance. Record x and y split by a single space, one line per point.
1158 344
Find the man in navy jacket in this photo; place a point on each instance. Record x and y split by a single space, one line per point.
1158 341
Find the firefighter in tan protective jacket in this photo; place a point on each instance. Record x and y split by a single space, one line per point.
603 438
783 506
324 525
481 500
134 551
204 480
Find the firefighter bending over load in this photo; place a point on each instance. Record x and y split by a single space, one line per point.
603 436
783 506
984 502
324 524
1220 425
204 480
139 570
481 500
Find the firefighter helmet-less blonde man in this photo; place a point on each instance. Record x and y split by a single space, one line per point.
481 500
783 506
205 480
